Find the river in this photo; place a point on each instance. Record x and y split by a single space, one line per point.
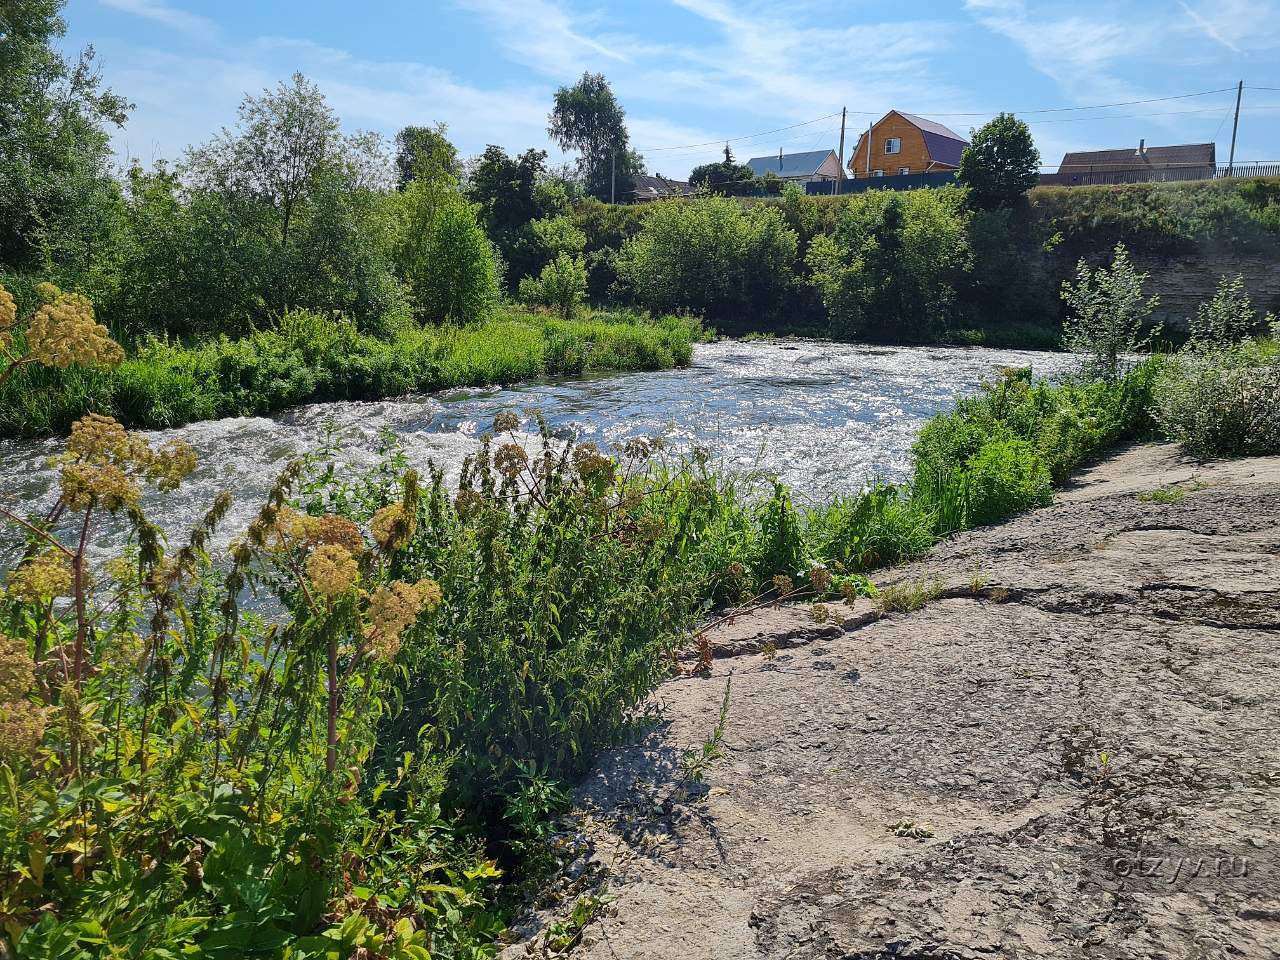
824 417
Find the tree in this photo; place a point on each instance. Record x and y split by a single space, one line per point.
890 267
57 198
588 118
513 194
725 176
1107 315
281 211
425 147
442 252
1000 164
712 255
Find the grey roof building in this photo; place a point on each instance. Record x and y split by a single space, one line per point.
1183 161
810 165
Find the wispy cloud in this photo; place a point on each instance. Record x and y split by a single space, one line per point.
163 13
543 35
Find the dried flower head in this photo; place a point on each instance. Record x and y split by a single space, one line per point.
783 584
292 528
506 422
64 331
592 465
332 570
389 526
42 577
509 459
819 613
392 609
820 577
736 570
467 502
339 531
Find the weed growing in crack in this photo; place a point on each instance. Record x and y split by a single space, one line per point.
906 597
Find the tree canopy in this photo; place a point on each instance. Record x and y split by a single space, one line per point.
56 192
588 118
725 176
419 148
1000 164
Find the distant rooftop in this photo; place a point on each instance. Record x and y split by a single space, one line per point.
1138 158
792 164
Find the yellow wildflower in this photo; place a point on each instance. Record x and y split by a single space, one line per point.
64 332
17 669
21 728
393 608
332 570
389 526
294 528
8 316
47 292
103 461
430 593
40 578
339 531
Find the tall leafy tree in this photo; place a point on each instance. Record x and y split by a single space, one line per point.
512 194
56 193
425 151
1000 164
726 176
588 118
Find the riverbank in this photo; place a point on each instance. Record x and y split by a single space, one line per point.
1068 750
311 358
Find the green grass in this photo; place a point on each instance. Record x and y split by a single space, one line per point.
311 358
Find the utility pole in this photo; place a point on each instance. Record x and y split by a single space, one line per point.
613 175
870 125
843 112
1231 161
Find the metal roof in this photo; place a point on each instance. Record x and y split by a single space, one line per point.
1128 158
792 165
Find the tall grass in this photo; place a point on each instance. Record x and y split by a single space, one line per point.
311 358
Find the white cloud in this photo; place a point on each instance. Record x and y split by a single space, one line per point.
163 13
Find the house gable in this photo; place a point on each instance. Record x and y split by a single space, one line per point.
925 147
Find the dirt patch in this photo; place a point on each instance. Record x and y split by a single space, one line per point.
1082 736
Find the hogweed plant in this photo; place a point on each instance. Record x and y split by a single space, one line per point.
61 331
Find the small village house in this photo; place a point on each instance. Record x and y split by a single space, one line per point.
646 188
902 144
813 166
1143 164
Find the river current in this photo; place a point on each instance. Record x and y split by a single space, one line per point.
826 418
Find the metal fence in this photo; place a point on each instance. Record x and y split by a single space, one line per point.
901 181
1094 176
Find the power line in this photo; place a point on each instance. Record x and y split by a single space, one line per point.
940 113
749 136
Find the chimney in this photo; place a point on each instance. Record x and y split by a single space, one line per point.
1142 147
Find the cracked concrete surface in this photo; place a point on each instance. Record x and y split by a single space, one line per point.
1087 721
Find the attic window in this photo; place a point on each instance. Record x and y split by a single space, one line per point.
893 145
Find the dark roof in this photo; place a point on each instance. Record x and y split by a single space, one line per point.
646 187
792 165
943 143
1128 158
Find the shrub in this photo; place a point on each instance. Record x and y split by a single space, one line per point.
442 253
710 255
1107 315
890 268
1221 402
1005 477
1227 317
562 286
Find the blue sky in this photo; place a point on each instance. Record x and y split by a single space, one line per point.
693 71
